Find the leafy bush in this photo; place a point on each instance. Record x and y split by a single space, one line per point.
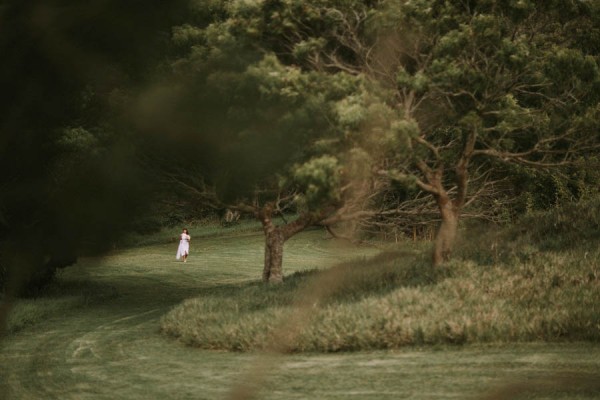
572 226
563 227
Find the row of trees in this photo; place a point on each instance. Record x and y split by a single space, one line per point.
332 110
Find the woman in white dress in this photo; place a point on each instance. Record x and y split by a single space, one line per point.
184 245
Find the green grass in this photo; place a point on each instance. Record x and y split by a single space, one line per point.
96 333
63 296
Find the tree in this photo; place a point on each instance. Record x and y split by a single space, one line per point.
509 86
251 133
465 82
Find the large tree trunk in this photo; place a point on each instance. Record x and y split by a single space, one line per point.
450 209
273 269
275 237
446 234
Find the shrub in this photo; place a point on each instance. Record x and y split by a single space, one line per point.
573 226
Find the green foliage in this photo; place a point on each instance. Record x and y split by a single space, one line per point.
571 67
305 48
78 140
351 112
482 67
319 181
560 244
535 190
573 228
254 121
187 35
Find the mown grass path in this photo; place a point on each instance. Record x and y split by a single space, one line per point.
111 348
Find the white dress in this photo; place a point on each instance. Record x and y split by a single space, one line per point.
184 246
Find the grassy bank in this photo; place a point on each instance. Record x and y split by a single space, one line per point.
512 286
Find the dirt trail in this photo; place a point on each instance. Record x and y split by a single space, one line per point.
111 349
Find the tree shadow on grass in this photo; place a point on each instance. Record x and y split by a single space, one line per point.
67 296
383 273
345 282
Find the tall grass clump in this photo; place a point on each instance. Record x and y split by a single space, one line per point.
542 290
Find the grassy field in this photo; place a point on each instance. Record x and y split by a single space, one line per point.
96 335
